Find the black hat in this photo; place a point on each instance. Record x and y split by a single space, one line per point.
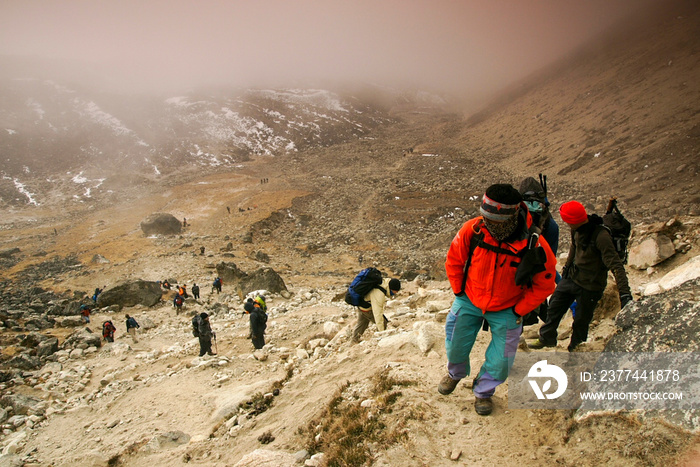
500 202
532 190
203 315
248 307
395 284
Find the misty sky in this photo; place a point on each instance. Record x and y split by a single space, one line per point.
469 47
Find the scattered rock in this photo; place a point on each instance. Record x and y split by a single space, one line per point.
161 224
651 252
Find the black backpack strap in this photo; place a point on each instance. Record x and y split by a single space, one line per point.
486 246
473 243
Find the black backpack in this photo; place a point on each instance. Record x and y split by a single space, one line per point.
619 228
361 285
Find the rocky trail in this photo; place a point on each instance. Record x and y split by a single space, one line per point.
156 403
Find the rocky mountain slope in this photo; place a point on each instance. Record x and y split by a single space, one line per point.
391 196
62 138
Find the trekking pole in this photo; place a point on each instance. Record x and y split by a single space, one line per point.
543 183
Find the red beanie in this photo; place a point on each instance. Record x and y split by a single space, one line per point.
573 212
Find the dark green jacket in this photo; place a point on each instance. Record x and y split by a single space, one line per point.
592 255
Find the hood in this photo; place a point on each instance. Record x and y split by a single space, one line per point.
385 286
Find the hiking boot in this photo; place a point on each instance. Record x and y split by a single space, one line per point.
447 385
483 406
538 344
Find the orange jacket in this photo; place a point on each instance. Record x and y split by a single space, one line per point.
490 281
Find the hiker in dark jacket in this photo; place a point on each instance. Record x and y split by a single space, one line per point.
131 326
195 291
205 335
584 276
258 324
97 293
535 198
177 303
534 195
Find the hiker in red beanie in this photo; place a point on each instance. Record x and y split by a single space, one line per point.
584 277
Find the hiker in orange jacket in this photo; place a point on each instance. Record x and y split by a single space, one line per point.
481 266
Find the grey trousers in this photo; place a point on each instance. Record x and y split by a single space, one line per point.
363 320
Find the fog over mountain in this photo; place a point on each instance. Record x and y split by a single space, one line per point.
89 90
467 48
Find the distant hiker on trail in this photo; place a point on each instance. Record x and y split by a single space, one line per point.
258 324
228 208
182 290
85 313
374 313
131 326
201 251
482 265
98 291
195 291
248 308
165 285
205 335
108 331
184 222
216 285
177 303
584 276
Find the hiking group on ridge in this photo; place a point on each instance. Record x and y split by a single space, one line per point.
501 268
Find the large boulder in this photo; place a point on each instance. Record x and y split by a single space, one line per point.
24 361
133 293
161 224
47 347
667 322
667 327
21 404
651 251
261 279
229 272
83 338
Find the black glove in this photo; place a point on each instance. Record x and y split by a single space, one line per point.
625 299
461 294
